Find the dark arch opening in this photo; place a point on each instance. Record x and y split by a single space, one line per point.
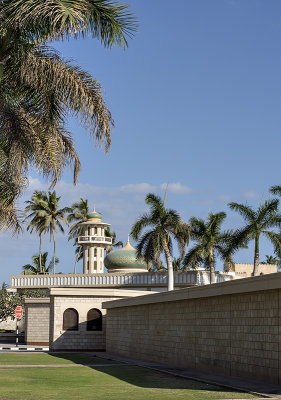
70 320
94 320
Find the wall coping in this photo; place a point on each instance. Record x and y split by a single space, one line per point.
37 300
251 284
97 292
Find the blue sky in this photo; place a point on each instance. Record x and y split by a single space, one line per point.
196 101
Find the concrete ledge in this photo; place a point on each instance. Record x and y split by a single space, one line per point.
97 292
245 285
37 300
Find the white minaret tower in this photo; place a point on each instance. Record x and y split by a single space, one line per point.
93 242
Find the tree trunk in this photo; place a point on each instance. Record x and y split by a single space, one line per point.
54 271
170 268
257 256
77 257
212 267
40 254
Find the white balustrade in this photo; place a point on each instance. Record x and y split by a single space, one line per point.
116 280
94 239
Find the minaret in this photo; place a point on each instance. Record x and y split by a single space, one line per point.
93 242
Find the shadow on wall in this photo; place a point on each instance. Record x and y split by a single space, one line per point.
87 335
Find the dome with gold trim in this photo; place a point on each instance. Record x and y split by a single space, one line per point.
125 260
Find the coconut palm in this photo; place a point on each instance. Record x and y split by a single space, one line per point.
154 231
210 242
258 223
51 218
39 88
34 206
276 190
78 214
177 264
112 235
39 266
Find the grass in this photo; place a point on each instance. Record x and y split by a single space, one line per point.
48 359
100 383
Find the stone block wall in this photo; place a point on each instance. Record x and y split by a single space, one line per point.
37 315
82 300
230 328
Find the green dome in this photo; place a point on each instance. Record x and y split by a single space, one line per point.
94 214
124 259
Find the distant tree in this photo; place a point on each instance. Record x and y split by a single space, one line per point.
177 264
52 217
258 223
112 235
154 231
77 214
210 242
34 207
270 260
35 268
8 303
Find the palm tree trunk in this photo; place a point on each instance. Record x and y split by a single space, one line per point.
257 256
170 268
212 267
54 252
40 254
77 257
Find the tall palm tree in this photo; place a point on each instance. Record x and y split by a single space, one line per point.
36 223
39 88
37 268
258 223
210 242
51 218
275 190
78 213
112 235
164 224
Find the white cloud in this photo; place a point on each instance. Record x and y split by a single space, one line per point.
251 195
85 190
224 198
176 188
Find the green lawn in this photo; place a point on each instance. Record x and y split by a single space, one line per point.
120 382
44 358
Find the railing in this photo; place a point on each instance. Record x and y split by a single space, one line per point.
94 239
144 279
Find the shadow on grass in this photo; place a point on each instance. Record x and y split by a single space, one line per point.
140 376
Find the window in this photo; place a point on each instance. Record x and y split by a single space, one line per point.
95 252
94 320
70 320
89 231
96 230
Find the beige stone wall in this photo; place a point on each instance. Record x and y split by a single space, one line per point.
82 300
230 328
37 316
245 270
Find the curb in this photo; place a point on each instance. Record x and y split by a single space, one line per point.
23 349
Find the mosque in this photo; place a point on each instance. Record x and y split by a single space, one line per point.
72 317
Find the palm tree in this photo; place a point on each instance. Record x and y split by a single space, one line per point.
210 242
164 223
257 223
34 207
39 267
51 217
39 88
177 264
78 214
275 190
112 235
270 260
